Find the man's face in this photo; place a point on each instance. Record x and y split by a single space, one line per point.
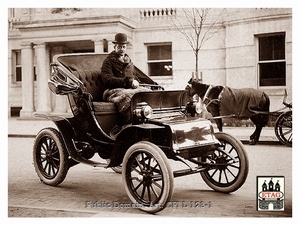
121 49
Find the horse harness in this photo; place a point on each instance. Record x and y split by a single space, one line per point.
208 101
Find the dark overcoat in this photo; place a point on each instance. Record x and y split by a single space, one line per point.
115 73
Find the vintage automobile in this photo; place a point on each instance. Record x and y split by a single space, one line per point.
164 127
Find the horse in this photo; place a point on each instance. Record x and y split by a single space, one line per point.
243 103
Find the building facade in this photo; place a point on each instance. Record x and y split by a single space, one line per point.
248 48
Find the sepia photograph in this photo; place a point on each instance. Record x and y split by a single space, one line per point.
150 111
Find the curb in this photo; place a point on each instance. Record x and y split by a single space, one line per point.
246 142
21 136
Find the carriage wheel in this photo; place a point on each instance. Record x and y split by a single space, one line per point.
147 177
228 165
50 157
283 128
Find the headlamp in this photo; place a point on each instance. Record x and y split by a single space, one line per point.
143 111
147 111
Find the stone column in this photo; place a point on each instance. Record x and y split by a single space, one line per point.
99 48
110 46
43 75
27 81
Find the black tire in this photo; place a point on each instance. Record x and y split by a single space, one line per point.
50 157
147 177
232 171
284 128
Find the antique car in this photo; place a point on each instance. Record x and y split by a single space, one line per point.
164 127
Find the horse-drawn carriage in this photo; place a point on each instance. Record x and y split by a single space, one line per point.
160 131
284 124
244 103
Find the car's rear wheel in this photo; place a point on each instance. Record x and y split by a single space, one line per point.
50 157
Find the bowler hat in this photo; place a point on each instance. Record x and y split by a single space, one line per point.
120 38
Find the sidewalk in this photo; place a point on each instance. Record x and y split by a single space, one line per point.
29 128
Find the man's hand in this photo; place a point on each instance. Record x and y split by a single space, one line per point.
126 59
135 84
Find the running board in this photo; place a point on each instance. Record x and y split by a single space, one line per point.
73 153
184 172
90 162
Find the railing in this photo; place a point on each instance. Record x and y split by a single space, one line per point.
157 13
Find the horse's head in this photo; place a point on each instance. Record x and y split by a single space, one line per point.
196 87
189 88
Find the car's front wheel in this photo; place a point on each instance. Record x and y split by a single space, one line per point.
228 165
147 177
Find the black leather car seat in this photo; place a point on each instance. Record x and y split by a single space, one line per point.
93 84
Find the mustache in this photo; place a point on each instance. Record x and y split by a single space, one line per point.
120 52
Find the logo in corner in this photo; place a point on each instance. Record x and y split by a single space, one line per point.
270 193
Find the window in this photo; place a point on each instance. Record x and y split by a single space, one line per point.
160 60
17 66
34 68
105 45
272 64
15 111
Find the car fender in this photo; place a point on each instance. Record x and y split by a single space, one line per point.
159 135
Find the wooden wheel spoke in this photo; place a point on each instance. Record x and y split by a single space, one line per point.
154 191
138 186
157 184
234 175
149 192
